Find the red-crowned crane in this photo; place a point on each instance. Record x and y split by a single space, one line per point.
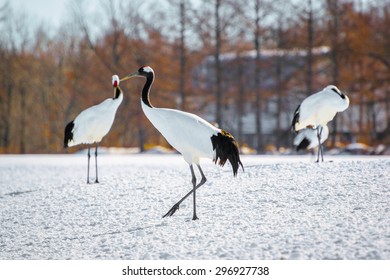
92 124
318 109
189 134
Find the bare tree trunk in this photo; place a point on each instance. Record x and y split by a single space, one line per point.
218 70
374 124
9 85
183 59
310 44
279 89
141 136
22 143
370 124
387 110
359 69
141 131
6 138
333 6
279 101
258 100
241 93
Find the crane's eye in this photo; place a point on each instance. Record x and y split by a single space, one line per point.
142 69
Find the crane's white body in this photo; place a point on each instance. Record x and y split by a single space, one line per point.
311 135
92 124
187 133
320 108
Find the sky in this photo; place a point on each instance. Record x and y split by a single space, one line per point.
47 11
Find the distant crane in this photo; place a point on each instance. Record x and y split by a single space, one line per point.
189 134
318 109
92 124
308 139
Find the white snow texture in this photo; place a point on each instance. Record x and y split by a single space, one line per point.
281 207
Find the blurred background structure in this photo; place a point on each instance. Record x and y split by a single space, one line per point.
244 65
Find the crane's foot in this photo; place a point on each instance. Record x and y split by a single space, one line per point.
194 218
172 210
96 181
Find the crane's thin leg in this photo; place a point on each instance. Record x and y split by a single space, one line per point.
176 206
320 149
194 217
96 154
203 180
322 146
89 156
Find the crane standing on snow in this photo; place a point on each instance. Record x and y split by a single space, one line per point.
189 134
317 110
92 124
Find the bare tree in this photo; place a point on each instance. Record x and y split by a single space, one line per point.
3 11
258 98
6 83
218 68
334 11
183 57
14 44
82 22
279 84
183 7
310 45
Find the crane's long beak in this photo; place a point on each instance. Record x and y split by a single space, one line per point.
129 76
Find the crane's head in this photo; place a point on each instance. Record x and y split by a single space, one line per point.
332 88
144 71
115 80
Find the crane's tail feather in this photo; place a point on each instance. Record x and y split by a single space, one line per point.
303 144
301 141
68 135
226 148
295 118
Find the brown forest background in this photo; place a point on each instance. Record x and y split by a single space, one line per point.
48 75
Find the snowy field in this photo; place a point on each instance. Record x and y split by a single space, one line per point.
281 207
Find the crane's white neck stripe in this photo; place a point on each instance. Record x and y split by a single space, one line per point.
147 69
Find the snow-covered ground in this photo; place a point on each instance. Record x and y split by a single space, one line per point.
281 207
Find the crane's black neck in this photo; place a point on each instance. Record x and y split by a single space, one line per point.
118 92
339 93
145 92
